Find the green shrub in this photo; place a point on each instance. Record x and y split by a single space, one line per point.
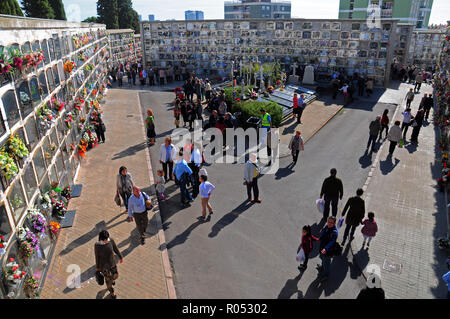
229 93
253 108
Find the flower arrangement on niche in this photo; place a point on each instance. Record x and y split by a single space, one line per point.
38 221
7 165
58 105
54 227
68 119
13 272
59 209
67 193
29 243
31 287
16 147
2 245
69 66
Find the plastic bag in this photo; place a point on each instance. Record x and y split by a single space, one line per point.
340 222
117 200
320 205
300 256
401 143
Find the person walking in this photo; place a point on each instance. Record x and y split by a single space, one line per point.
151 77
307 246
369 229
120 78
374 129
206 189
295 107
428 104
208 90
124 185
333 190
356 211
183 173
105 262
384 123
407 118
296 145
328 237
133 75
190 115
99 126
266 124
150 125
344 90
409 98
422 101
301 108
177 113
159 185
162 75
251 175
369 87
361 86
417 125
195 164
335 87
419 81
167 155
137 210
394 136
184 113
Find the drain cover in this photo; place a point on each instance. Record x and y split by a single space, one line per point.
130 115
393 267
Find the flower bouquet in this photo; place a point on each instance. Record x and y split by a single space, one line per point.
76 41
54 227
13 272
2 245
68 119
69 66
82 148
31 287
38 221
7 165
48 199
16 147
67 193
29 242
45 115
58 105
59 209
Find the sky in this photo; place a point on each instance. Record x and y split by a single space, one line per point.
213 9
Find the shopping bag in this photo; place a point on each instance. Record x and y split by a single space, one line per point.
401 143
300 256
320 204
340 222
117 199
99 277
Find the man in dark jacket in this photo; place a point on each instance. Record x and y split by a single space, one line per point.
374 130
333 190
356 211
428 104
328 237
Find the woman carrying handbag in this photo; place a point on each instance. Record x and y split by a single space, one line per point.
124 185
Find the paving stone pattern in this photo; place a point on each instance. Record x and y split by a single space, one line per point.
141 275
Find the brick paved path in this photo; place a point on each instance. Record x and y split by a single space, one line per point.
142 273
410 213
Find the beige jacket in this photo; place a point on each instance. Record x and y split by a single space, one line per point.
395 133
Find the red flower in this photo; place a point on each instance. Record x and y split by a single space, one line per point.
15 276
23 273
1 245
11 259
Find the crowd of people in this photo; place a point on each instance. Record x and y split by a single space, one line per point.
350 85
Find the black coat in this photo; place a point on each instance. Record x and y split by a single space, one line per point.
356 211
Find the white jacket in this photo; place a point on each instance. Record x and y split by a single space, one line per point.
162 153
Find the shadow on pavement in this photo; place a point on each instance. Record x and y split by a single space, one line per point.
290 288
229 218
80 241
101 294
365 160
132 150
132 240
387 165
181 238
284 172
411 147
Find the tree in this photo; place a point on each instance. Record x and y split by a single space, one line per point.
58 8
10 7
37 9
91 20
128 18
108 13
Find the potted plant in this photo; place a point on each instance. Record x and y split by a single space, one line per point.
67 193
59 209
29 243
13 273
31 287
17 148
38 221
54 228
69 66
8 167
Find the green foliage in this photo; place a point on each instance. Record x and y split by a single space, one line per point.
253 108
108 13
229 93
91 20
128 18
58 9
10 7
38 9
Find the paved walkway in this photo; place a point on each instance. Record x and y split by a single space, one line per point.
410 213
142 274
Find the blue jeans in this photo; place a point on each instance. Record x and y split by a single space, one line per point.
184 192
125 199
326 264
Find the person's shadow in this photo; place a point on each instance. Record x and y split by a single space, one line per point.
387 166
181 238
284 172
365 160
229 218
290 288
412 147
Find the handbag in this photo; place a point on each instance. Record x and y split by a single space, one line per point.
103 127
148 202
117 199
414 124
99 277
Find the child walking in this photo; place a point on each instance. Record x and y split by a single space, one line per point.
306 245
160 181
206 189
370 228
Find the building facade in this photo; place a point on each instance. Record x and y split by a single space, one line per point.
209 47
415 12
425 47
122 45
194 15
257 9
151 17
53 75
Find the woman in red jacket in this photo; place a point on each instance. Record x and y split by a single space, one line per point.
384 123
306 245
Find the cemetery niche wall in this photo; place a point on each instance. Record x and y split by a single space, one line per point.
208 47
52 76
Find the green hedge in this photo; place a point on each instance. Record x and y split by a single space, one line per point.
229 93
253 108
